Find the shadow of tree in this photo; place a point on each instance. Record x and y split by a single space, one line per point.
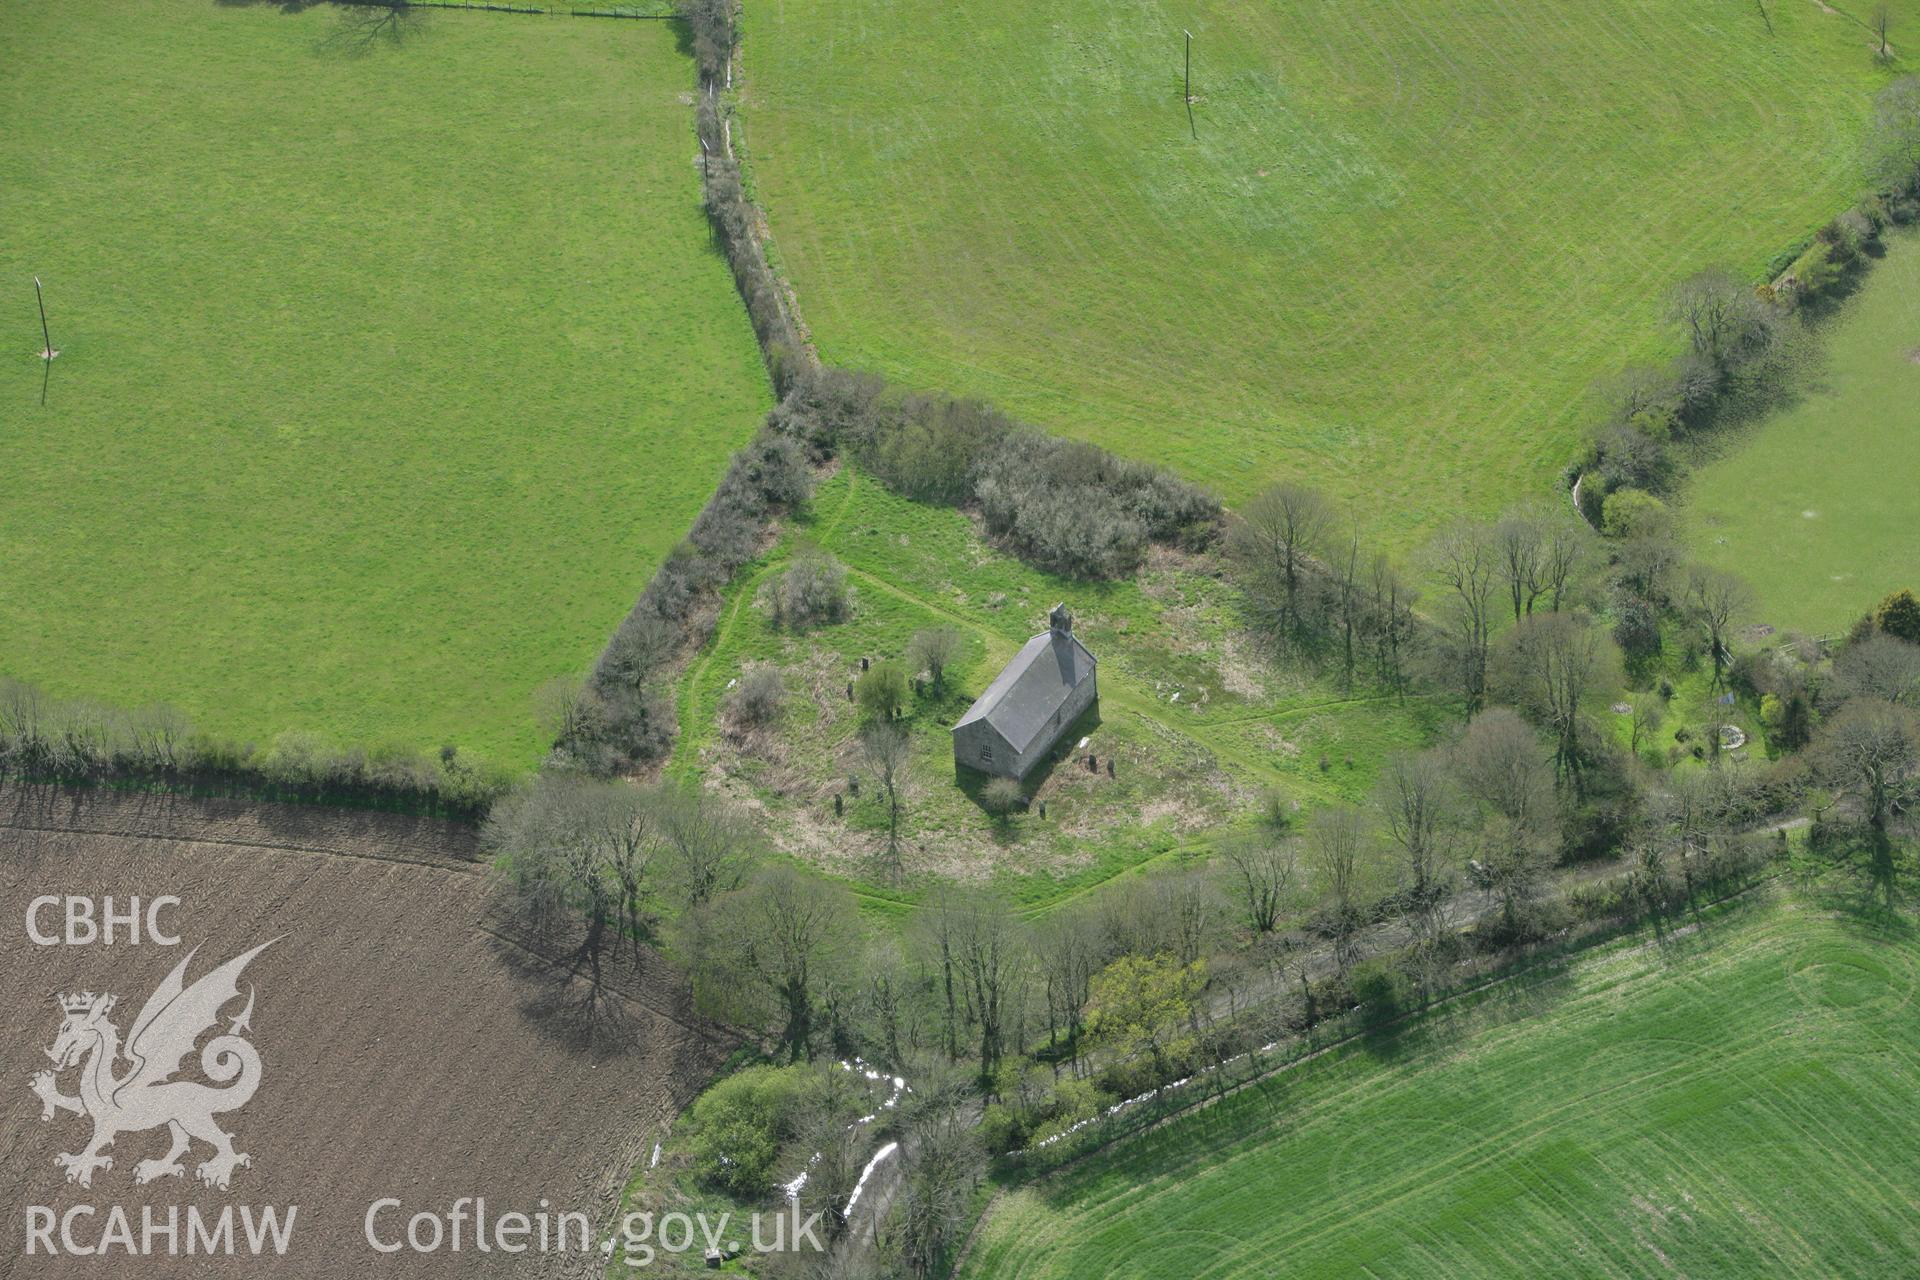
569 1004
361 26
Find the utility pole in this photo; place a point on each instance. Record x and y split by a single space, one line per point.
47 353
1192 128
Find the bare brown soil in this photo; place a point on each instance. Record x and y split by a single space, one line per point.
411 1047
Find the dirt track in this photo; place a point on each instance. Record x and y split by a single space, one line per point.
408 1048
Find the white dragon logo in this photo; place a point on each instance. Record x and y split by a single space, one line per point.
143 1097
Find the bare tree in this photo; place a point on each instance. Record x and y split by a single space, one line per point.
1566 549
933 651
623 831
1467 563
1550 665
1273 541
1335 840
25 713
1415 801
1349 599
160 733
937 931
766 953
827 1145
1725 321
890 1009
1715 600
1872 748
812 592
1188 910
1686 816
1896 132
709 843
757 697
942 1162
558 708
1517 543
887 749
1393 602
523 833
1264 868
1501 767
569 844
1881 20
1879 666
1067 954
1646 562
991 956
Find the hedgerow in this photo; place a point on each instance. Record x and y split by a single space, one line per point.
50 739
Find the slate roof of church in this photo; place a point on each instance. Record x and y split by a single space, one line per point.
1022 699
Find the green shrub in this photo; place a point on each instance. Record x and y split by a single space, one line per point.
1633 513
1382 989
740 1124
882 691
1000 1129
1899 616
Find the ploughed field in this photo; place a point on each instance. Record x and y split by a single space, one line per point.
1733 1102
391 363
1389 254
406 1050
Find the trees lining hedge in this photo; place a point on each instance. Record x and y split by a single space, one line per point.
50 739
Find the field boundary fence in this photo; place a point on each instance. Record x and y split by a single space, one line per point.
485 6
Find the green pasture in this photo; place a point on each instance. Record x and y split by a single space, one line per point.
1733 1102
1199 726
387 371
1818 505
1390 253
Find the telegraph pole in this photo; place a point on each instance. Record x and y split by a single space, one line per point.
1192 128
47 353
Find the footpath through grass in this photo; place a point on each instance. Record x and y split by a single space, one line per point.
1734 1102
1818 506
1389 254
387 374
1197 726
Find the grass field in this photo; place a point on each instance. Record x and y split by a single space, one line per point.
1391 256
1199 726
385 378
1816 506
1730 1104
